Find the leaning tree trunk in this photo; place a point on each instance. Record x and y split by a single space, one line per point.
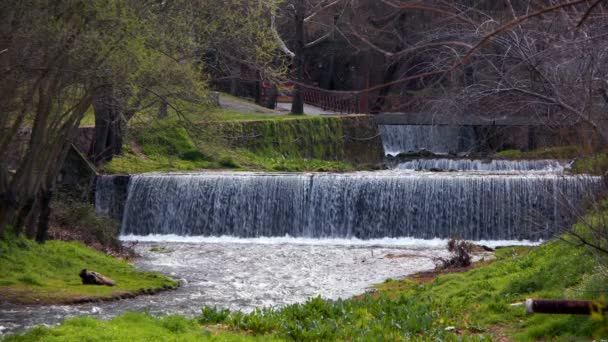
297 106
108 107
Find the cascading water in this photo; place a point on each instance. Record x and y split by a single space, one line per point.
439 139
481 165
364 205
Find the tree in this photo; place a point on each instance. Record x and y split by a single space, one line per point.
304 16
182 42
52 57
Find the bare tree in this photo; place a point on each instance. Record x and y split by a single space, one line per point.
319 19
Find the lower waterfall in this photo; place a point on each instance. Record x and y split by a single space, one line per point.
364 205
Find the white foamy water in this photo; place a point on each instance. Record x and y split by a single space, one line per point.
494 166
242 274
384 242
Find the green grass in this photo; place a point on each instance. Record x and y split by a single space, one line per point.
561 152
136 327
596 164
480 299
231 115
48 273
297 145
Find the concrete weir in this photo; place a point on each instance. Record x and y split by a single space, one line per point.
364 205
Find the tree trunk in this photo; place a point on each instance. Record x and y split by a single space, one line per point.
297 106
162 109
42 232
108 125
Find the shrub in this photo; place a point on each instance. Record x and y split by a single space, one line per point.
461 255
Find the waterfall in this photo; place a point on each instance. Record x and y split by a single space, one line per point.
481 165
441 139
364 204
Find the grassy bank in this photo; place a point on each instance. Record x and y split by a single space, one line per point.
132 327
585 162
48 273
473 305
310 144
560 152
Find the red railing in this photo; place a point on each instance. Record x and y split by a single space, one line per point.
344 102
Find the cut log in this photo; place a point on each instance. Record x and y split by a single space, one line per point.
547 306
94 278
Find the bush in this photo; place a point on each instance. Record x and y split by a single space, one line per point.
77 221
461 255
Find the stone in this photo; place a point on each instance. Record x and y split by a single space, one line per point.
94 278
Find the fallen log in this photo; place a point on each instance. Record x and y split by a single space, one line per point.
560 306
94 278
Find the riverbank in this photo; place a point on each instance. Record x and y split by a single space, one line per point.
471 305
47 273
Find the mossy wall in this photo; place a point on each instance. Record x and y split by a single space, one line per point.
354 139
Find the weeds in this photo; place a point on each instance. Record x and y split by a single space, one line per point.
460 255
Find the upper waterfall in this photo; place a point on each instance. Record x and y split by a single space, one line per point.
436 139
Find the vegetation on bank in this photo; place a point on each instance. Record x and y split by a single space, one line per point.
131 327
310 144
48 273
559 152
584 161
74 220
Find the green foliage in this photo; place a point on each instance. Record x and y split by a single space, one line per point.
310 144
561 152
82 220
168 139
48 273
137 327
596 164
318 138
318 319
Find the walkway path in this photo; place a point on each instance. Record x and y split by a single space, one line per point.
308 109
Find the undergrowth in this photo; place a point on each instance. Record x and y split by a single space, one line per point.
560 152
75 220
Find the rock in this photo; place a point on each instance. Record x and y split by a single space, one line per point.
481 248
94 278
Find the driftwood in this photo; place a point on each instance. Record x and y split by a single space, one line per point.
572 307
94 278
